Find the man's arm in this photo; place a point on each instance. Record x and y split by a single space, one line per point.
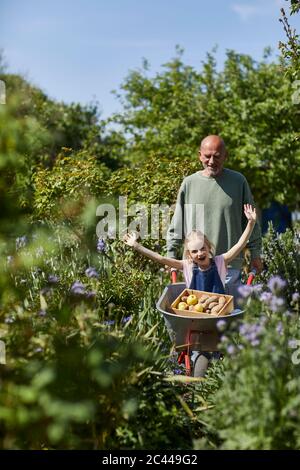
175 234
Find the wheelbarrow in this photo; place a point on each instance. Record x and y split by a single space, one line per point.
187 332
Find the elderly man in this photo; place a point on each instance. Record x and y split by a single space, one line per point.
221 194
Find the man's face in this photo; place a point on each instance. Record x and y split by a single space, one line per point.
212 157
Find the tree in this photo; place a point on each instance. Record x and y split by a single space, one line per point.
291 49
57 125
248 103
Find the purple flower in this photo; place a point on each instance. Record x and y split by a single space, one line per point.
276 284
245 291
126 319
90 294
295 297
77 288
265 297
257 288
101 245
109 322
252 336
42 313
177 371
21 242
230 349
255 342
52 279
245 328
251 332
221 325
293 343
279 328
276 304
258 328
224 339
91 272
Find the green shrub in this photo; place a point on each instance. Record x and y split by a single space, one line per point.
62 191
257 405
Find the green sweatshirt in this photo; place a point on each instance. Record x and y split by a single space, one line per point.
224 221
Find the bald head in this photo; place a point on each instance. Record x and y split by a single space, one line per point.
213 141
212 154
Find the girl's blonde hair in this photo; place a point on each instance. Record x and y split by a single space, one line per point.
197 235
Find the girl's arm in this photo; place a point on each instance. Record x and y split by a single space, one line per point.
250 213
130 239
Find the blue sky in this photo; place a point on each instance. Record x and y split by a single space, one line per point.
79 50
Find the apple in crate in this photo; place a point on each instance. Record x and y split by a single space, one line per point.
192 300
198 308
182 306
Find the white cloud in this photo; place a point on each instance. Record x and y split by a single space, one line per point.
246 11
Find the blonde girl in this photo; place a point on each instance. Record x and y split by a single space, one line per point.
201 269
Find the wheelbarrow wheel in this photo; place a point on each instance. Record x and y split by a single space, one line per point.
200 366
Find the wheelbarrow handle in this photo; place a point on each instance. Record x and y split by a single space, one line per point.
251 277
173 275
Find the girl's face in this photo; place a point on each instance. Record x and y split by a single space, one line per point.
199 253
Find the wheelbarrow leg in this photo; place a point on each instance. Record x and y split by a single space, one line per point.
187 364
184 356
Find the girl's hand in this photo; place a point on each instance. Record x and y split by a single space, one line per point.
250 213
130 239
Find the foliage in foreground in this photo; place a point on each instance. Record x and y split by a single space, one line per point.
257 406
88 357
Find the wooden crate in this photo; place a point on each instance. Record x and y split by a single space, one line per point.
226 310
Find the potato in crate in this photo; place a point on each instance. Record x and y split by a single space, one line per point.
200 304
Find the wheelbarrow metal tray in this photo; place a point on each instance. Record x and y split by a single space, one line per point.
198 334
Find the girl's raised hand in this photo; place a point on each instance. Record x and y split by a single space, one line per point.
130 239
250 213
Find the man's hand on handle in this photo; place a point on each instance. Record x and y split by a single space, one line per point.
257 264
